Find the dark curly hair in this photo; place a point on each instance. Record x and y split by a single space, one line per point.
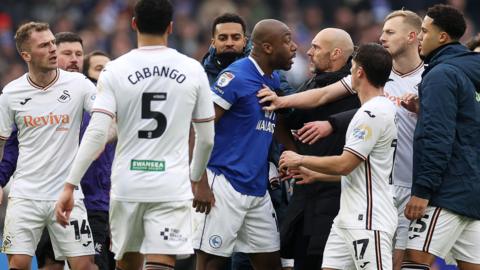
375 61
229 18
448 19
153 16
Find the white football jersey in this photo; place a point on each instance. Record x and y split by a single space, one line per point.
155 92
48 121
397 86
367 196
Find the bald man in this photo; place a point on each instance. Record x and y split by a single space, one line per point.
243 218
312 208
399 38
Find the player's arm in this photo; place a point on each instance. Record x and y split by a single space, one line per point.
304 100
306 176
219 111
92 145
331 165
283 134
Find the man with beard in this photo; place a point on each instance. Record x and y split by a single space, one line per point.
362 232
46 105
312 209
238 169
229 43
95 184
399 37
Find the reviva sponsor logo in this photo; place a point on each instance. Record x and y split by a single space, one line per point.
47 120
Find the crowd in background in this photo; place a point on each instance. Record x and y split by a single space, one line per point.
105 24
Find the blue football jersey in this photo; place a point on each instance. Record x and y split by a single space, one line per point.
244 133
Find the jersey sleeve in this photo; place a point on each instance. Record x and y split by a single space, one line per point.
226 90
105 101
6 118
347 83
364 133
203 111
90 95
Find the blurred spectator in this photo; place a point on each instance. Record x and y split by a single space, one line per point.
105 24
474 43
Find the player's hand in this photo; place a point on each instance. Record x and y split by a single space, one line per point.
203 199
410 102
269 99
290 159
311 132
415 208
64 205
1 195
304 175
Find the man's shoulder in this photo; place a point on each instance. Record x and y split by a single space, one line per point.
12 86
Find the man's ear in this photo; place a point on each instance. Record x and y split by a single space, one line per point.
267 48
412 37
133 24
26 56
170 28
444 38
335 54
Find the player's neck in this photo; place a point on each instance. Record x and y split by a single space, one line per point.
368 92
407 62
42 78
262 63
151 40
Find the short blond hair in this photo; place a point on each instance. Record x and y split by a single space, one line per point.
409 17
25 30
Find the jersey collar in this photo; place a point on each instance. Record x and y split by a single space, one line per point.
153 47
256 65
32 83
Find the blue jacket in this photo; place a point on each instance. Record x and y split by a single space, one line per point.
446 159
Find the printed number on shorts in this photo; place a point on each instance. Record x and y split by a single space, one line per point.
418 226
360 245
79 230
147 113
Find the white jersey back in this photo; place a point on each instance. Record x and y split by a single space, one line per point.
367 196
155 92
48 121
397 86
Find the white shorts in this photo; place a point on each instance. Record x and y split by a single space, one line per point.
151 228
440 231
402 196
357 249
237 222
25 220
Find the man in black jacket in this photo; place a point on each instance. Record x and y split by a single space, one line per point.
312 208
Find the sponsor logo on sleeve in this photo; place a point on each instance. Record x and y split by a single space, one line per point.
225 79
362 132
